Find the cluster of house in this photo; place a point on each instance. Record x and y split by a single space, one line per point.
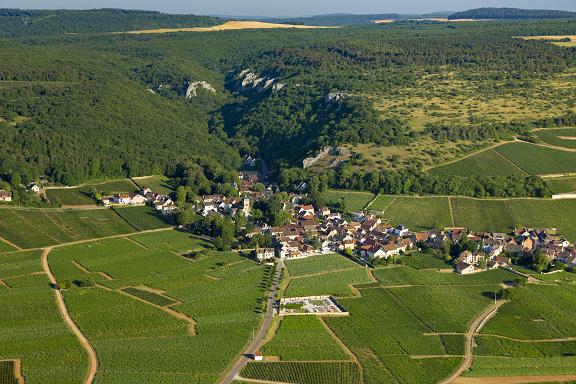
5 196
314 232
162 203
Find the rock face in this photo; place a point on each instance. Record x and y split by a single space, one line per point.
250 81
325 153
192 90
334 97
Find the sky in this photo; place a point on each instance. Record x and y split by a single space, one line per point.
290 7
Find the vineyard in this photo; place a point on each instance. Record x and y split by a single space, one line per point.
304 372
319 264
31 228
404 275
7 374
32 330
151 297
349 200
303 338
331 283
121 327
144 217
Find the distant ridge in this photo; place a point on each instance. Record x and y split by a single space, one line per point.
343 19
511 14
22 22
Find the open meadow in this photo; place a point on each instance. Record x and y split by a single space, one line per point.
142 297
158 184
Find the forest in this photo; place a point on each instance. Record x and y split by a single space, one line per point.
91 106
511 14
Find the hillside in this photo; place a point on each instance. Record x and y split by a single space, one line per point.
511 13
17 22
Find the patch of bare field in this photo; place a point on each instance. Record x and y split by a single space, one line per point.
557 37
230 25
384 21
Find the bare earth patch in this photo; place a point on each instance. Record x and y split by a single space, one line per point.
230 25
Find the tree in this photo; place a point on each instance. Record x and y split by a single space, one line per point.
540 262
186 217
181 194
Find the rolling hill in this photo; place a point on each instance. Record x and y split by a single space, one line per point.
511 13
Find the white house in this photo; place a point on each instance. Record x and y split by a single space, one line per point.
465 268
401 230
265 254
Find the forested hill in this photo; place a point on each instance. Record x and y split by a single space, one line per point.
17 22
510 14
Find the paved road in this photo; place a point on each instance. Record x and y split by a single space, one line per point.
255 344
92 359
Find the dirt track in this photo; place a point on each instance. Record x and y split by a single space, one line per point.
92 359
475 327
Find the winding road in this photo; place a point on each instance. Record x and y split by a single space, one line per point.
92 359
255 344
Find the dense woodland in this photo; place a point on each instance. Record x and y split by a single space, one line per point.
15 22
511 14
85 107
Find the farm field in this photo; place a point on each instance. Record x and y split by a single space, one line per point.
404 275
537 312
382 202
228 26
331 283
484 163
303 338
31 228
423 261
319 264
5 247
176 241
158 184
419 213
7 372
565 137
519 366
537 160
82 195
144 217
214 317
32 330
350 200
308 372
562 184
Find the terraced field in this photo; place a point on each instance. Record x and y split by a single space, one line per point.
31 228
195 340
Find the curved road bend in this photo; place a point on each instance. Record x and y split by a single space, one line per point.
255 344
92 359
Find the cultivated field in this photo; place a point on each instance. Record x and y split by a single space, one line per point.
537 160
208 322
31 228
82 195
228 26
304 338
419 213
331 283
158 184
305 372
144 217
562 184
565 137
349 200
319 264
485 163
31 327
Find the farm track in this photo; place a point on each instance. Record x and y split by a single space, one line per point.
10 244
240 378
343 346
475 327
92 359
451 211
255 344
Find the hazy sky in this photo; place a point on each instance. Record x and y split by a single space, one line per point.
290 7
